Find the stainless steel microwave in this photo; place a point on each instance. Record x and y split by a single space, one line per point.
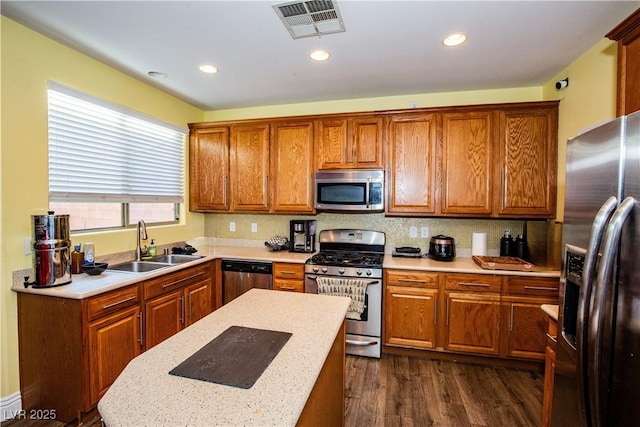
350 190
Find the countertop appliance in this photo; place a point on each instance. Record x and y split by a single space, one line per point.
442 248
302 235
596 371
51 250
353 254
240 276
350 190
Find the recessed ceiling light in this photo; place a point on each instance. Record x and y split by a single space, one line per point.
455 39
319 55
157 75
210 69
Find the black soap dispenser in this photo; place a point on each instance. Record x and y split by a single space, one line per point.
506 243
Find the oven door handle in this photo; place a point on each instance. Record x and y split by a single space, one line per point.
361 343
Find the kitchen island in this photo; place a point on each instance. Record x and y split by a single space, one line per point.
303 384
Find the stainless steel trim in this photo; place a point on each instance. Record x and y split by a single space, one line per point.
362 343
140 329
482 285
604 286
367 193
540 288
182 319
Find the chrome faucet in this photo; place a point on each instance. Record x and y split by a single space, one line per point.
141 234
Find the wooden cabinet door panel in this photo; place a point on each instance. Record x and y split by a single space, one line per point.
250 167
526 329
473 323
366 141
113 342
209 169
528 154
164 318
411 170
198 302
410 317
292 168
467 157
331 136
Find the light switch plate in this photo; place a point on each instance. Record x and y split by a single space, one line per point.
27 245
254 227
413 232
232 226
424 232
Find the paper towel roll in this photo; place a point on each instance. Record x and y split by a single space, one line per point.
479 244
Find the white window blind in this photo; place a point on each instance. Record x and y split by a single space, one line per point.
99 152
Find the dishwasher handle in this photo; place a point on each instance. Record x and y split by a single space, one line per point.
247 266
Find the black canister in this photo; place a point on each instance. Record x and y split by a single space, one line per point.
520 247
506 244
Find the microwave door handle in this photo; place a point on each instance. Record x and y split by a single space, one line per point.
367 190
584 299
604 288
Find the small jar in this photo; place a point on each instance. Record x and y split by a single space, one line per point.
89 253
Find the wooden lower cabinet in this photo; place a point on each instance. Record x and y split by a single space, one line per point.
184 298
525 330
410 309
549 372
113 342
288 277
473 323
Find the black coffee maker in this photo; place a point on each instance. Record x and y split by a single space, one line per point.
302 235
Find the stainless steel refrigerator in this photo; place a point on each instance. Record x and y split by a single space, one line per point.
597 371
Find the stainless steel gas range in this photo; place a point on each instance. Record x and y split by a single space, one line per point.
354 255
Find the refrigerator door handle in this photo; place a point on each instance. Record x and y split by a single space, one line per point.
584 298
604 287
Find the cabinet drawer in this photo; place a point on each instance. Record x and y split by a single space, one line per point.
112 301
288 270
420 279
473 282
288 285
173 281
533 286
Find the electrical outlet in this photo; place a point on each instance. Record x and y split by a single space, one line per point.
413 232
424 232
232 226
27 245
254 227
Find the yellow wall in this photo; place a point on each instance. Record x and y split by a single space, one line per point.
589 99
29 61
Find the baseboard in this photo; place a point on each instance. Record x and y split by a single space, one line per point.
10 406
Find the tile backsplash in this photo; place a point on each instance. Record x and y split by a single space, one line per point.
396 229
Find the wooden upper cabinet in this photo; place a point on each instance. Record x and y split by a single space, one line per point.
627 34
292 167
527 158
411 163
349 142
249 162
209 169
467 159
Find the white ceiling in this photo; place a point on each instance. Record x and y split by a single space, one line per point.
389 47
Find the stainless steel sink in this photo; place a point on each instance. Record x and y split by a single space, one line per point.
139 266
175 258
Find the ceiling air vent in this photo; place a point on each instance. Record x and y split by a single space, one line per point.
310 18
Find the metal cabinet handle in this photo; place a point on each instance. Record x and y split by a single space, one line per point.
182 310
287 272
287 288
140 329
478 285
447 314
511 320
190 312
361 343
412 280
540 288
168 285
104 307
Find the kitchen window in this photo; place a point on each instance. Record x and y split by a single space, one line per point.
110 166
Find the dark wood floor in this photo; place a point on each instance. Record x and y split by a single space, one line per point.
411 391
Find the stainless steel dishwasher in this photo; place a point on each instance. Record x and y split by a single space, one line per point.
240 276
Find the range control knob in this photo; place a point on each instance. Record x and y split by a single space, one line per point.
359 272
369 272
315 269
325 269
341 271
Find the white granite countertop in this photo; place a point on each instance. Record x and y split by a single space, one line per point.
145 393
551 310
84 286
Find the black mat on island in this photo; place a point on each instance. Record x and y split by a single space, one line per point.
237 357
